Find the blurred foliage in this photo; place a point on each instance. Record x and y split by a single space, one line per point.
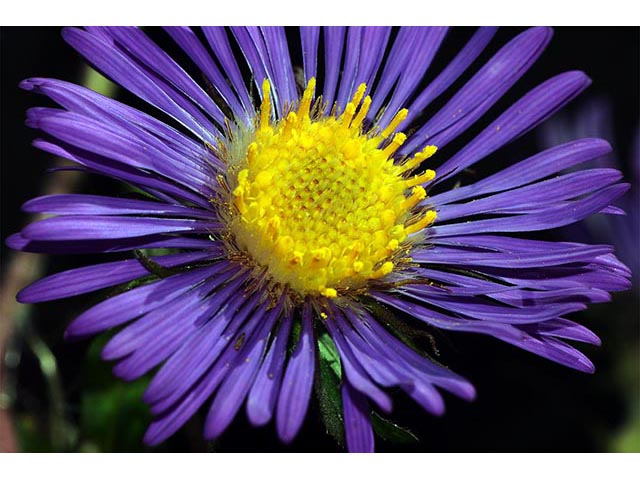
113 417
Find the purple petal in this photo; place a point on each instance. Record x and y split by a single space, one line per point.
424 371
18 242
252 46
563 328
219 43
544 219
134 303
419 60
496 77
98 227
275 42
533 108
535 197
354 371
141 49
297 382
547 347
118 143
309 37
113 169
453 70
357 422
263 396
157 323
483 309
533 168
161 333
204 346
375 363
362 59
188 41
333 44
81 100
405 43
238 382
125 72
453 256
178 411
79 204
88 279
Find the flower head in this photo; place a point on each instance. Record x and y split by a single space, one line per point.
292 229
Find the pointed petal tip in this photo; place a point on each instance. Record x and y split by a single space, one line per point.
28 295
151 437
588 367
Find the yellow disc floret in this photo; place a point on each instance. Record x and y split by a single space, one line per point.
321 204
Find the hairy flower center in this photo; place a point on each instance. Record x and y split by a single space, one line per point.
322 204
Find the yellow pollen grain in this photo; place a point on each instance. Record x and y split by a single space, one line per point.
319 203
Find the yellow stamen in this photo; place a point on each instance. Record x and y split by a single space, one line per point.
357 97
385 269
305 103
318 203
417 194
398 140
423 178
265 107
419 157
424 222
349 111
364 109
397 120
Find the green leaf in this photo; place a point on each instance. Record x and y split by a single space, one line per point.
296 331
391 432
329 353
327 388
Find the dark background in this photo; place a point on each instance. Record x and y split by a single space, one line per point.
524 403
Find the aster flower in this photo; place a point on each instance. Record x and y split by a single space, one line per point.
296 226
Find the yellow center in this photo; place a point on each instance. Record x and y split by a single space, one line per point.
322 204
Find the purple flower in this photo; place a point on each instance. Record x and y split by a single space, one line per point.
294 228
